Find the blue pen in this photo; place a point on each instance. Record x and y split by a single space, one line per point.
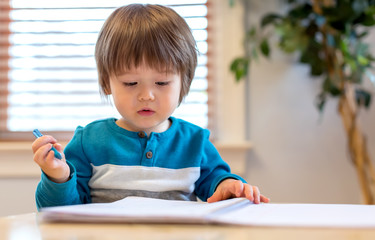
38 134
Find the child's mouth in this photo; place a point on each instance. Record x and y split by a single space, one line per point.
146 112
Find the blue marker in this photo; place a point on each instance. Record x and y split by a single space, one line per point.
37 134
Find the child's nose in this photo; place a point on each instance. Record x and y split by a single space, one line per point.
146 94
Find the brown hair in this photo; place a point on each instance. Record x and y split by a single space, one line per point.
151 34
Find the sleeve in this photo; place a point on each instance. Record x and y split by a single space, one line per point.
74 191
213 170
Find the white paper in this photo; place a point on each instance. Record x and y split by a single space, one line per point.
302 215
138 209
237 211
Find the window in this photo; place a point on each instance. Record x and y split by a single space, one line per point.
48 77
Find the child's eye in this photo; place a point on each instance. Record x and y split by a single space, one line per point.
129 84
162 83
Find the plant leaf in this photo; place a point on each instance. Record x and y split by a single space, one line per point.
363 34
363 98
251 34
265 48
320 101
231 3
240 67
269 18
301 11
363 60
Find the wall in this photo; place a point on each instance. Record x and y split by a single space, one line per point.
298 155
18 178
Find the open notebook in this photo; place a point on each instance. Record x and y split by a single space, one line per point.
237 211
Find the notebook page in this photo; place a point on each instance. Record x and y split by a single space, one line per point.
137 209
301 215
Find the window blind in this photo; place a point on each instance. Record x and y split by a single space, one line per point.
48 77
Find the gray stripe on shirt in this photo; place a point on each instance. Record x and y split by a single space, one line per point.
111 195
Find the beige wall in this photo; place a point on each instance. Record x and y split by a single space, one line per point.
18 178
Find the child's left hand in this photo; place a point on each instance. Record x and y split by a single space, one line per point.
232 188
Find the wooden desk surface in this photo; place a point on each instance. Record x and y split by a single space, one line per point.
26 227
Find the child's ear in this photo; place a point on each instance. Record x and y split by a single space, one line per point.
107 88
108 91
105 84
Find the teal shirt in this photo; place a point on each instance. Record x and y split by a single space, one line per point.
109 163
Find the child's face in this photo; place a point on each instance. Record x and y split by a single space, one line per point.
145 98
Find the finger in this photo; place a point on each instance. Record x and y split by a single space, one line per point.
238 188
39 142
41 154
256 194
35 145
50 139
60 149
264 199
45 158
249 192
50 160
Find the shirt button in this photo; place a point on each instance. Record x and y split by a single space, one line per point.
141 134
149 154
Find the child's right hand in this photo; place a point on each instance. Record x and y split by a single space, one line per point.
57 170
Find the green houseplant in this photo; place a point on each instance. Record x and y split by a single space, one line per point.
328 36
